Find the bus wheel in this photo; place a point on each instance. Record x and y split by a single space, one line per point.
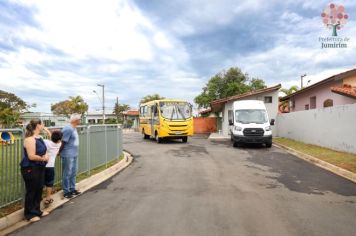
185 139
158 139
145 136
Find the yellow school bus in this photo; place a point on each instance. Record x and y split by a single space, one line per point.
166 118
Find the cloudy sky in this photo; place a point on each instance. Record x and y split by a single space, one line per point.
50 50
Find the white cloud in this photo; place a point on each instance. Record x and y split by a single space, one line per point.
115 31
107 29
115 43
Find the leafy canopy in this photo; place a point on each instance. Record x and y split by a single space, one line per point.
225 84
290 90
10 108
119 109
152 97
72 105
284 106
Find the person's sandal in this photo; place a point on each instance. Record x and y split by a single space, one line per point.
47 202
44 213
34 219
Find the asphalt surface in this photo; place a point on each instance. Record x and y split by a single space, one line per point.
209 188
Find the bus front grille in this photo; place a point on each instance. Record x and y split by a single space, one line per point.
180 134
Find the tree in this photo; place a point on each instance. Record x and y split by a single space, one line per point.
152 97
334 17
284 104
256 84
70 106
10 108
225 84
291 90
119 109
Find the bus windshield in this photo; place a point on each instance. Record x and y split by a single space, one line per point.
175 110
251 116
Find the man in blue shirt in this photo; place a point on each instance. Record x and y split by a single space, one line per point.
69 155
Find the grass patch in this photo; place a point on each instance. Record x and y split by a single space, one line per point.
10 208
341 159
98 169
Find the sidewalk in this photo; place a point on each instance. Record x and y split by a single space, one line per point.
15 220
340 163
218 136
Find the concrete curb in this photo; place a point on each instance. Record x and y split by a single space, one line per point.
323 164
15 220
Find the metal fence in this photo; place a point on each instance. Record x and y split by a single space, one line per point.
98 145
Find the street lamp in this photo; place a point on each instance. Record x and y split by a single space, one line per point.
301 80
103 100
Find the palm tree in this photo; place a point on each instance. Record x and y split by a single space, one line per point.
283 105
151 98
119 109
291 90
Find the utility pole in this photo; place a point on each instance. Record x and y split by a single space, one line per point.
103 89
301 80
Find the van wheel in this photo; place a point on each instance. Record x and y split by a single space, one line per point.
268 145
185 139
236 144
158 139
145 136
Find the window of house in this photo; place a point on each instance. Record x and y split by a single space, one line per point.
268 99
312 102
307 107
291 103
328 103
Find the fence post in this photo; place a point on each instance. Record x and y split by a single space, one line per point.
106 146
118 141
22 153
88 148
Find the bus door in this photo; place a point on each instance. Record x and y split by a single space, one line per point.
154 118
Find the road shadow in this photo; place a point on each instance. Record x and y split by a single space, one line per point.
300 176
188 150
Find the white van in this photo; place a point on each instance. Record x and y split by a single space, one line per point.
250 123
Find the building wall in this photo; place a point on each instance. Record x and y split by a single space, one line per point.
322 93
203 125
272 109
351 81
332 127
98 118
48 118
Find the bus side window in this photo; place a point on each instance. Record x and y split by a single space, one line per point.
144 111
155 111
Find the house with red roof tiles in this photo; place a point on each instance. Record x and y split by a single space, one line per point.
336 90
131 119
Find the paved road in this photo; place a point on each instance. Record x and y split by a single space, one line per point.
209 188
